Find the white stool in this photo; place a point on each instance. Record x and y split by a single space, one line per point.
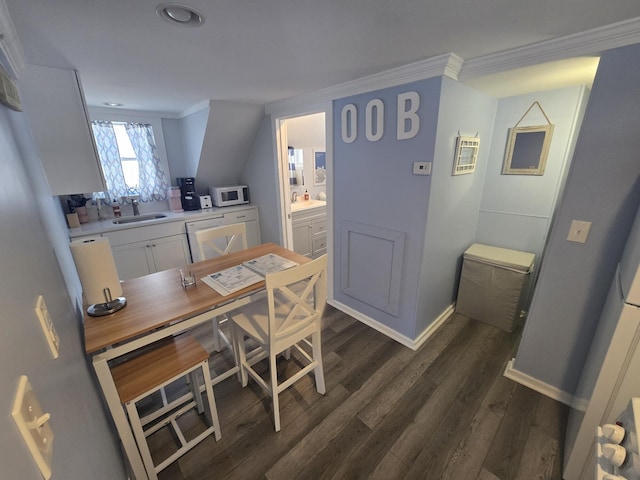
151 371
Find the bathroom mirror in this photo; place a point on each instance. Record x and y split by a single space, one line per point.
296 166
527 150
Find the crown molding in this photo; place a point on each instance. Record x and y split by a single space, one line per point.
588 43
448 65
10 46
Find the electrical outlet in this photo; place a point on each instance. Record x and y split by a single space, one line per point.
47 326
422 168
579 231
34 426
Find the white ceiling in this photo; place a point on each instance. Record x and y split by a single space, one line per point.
260 51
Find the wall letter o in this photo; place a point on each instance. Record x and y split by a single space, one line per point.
349 123
376 104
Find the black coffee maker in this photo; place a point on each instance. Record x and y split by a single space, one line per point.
188 195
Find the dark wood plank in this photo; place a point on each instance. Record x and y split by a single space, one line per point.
442 445
444 411
369 452
538 457
507 447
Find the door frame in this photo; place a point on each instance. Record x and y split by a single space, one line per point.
282 161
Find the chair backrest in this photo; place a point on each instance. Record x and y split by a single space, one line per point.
296 297
217 241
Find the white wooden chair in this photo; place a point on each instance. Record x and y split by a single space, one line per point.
214 242
286 317
217 241
151 371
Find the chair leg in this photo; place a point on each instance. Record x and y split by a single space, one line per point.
141 439
317 356
195 390
213 409
217 342
273 372
241 355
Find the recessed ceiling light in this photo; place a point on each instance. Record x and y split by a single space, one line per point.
179 14
113 104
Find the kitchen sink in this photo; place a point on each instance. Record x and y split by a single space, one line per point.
138 218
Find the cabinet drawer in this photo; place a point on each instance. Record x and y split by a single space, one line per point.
141 234
241 216
319 226
319 245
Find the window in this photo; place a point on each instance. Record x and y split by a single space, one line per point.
130 160
130 167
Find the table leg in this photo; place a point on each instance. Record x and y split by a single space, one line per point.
103 373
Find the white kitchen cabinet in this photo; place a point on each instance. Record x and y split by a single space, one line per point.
144 250
55 107
310 231
249 217
154 255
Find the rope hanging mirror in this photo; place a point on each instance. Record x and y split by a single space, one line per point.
528 146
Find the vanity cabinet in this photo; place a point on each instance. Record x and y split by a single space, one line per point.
57 114
310 231
144 250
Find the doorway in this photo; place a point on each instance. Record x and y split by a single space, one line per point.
303 165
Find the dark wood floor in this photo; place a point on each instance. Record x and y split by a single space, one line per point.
443 412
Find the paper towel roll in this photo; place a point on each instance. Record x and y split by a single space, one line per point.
96 268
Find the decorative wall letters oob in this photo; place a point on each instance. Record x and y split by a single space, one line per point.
408 120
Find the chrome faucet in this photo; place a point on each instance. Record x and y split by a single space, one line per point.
294 197
134 204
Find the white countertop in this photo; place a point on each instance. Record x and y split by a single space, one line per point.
307 204
107 225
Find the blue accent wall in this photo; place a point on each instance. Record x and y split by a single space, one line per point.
374 186
602 188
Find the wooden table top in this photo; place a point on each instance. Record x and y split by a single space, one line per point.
157 300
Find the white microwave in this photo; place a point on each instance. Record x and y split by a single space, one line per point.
225 196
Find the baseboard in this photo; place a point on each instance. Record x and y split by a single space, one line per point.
434 326
543 388
389 332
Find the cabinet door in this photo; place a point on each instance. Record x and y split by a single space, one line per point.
133 260
302 238
57 114
170 252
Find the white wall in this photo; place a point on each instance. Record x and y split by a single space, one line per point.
516 210
454 200
261 174
35 259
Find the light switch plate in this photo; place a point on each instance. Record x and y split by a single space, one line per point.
579 231
34 426
422 168
47 326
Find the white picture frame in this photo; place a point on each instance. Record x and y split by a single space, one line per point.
319 168
527 150
466 155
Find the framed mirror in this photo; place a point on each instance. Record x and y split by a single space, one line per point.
527 150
